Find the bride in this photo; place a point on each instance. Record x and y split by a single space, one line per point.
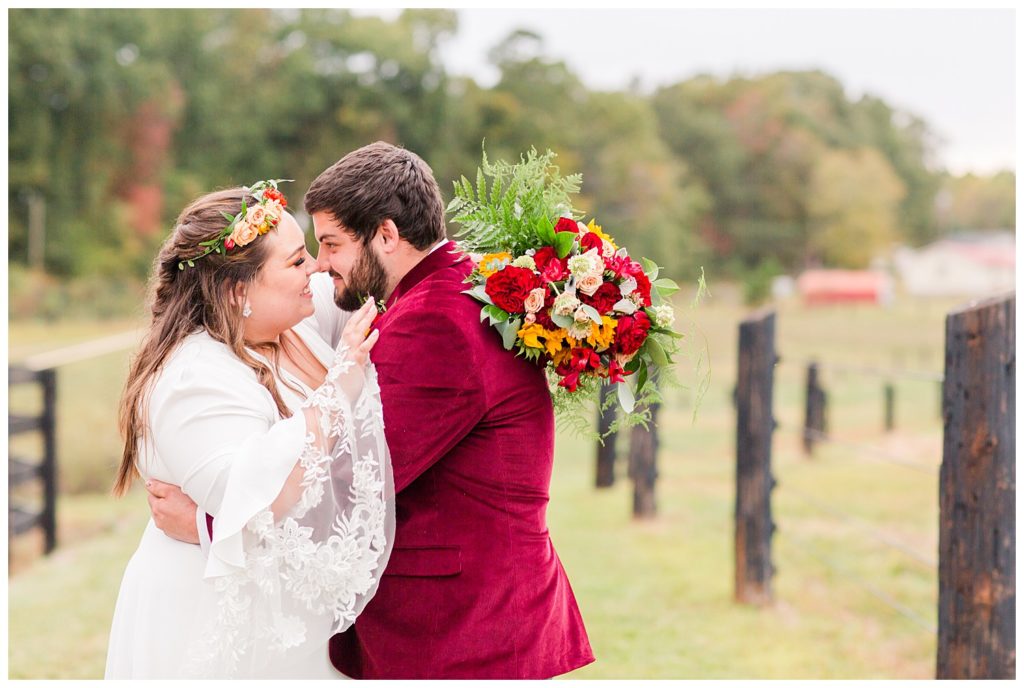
236 399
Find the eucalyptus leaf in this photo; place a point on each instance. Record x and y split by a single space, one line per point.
625 306
626 397
508 335
561 320
592 314
665 286
479 292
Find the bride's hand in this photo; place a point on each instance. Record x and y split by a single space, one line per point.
357 336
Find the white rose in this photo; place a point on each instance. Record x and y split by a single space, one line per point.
535 301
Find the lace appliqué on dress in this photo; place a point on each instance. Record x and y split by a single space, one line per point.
309 574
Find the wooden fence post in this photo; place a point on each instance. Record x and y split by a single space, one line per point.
754 481
605 475
643 466
814 409
48 420
977 492
890 406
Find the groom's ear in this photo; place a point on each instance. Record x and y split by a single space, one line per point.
387 236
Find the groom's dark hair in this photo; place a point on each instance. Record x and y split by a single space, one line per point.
379 182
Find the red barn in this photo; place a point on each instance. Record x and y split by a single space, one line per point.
823 287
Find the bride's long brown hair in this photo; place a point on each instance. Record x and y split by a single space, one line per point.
185 301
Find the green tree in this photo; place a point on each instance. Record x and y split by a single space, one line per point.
854 207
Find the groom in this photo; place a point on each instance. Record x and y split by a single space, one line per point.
473 588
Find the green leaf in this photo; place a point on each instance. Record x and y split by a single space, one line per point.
496 314
508 335
228 217
651 269
656 352
181 266
641 377
545 231
563 243
665 286
626 397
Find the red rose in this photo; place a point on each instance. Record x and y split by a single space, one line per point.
509 287
549 265
229 243
567 224
604 299
631 332
590 240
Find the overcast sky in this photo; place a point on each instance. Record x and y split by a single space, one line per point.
953 68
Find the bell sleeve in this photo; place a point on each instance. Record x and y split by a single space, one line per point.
304 510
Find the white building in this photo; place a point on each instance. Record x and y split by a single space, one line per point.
979 263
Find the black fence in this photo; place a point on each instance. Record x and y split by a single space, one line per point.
24 517
975 565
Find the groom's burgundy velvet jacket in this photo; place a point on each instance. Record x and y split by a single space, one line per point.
473 588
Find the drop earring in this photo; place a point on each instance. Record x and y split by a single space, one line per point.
246 311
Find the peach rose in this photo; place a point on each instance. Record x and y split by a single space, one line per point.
590 284
244 233
274 208
256 215
535 301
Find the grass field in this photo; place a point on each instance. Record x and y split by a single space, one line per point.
656 595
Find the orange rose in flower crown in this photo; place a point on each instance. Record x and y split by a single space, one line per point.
560 292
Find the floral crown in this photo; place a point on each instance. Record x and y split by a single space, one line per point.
249 223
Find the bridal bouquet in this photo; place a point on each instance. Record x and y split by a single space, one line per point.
560 292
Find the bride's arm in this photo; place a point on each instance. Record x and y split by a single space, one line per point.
210 421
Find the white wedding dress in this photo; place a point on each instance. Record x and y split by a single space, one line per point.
264 598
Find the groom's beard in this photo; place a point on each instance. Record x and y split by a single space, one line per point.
368 278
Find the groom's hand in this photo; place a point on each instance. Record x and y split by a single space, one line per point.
173 512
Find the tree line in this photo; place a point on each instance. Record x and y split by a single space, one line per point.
119 117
